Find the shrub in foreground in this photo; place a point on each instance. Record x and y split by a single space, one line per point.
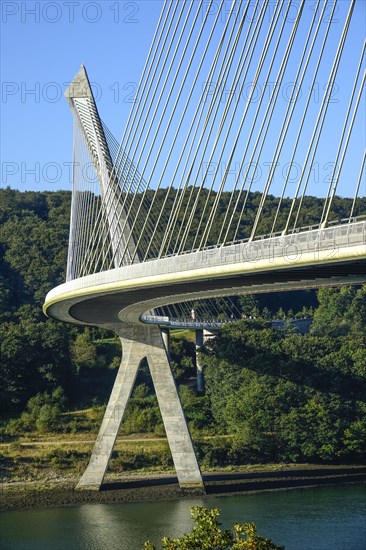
207 534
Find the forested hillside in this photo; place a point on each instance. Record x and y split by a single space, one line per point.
270 395
37 354
289 397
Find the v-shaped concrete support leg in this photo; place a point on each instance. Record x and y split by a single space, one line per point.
138 343
93 476
176 428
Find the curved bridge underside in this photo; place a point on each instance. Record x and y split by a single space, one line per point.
312 259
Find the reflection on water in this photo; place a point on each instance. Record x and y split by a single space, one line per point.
128 526
309 519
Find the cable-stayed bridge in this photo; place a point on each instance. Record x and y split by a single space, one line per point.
181 211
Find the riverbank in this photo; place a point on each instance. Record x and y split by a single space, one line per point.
22 495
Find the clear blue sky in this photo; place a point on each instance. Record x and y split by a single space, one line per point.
43 45
42 51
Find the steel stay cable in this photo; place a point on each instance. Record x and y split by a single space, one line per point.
164 109
153 117
212 212
178 128
74 214
278 81
323 110
81 156
325 212
303 118
324 220
358 184
144 82
72 257
126 155
114 145
134 111
322 49
196 121
265 119
244 55
279 144
241 166
89 210
238 75
104 168
182 116
148 81
200 108
72 242
135 165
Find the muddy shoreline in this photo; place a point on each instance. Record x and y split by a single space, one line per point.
26 495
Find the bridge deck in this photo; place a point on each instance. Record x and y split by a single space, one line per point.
330 256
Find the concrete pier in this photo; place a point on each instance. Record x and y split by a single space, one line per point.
165 333
144 342
199 349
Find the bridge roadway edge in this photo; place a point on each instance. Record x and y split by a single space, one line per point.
140 289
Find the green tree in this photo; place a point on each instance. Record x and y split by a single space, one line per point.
83 350
43 413
34 357
207 534
355 439
339 310
196 407
248 305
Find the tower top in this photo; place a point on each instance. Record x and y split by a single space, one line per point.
80 86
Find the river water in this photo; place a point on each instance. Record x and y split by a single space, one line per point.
322 518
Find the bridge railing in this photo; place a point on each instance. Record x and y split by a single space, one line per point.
303 325
325 245
291 248
295 231
185 322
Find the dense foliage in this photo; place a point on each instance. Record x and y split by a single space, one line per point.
270 395
290 397
38 355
